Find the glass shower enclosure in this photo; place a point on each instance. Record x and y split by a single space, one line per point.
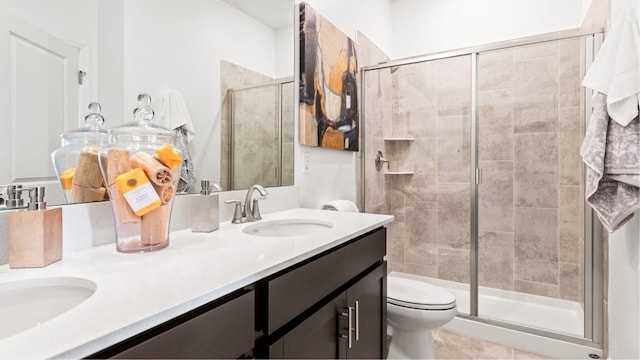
486 182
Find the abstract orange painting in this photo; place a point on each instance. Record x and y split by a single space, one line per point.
329 115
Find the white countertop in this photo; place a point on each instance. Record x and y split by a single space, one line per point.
138 291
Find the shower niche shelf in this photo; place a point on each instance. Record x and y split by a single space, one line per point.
399 139
399 173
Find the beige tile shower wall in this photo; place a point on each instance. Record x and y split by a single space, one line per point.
530 199
530 202
379 124
431 103
232 76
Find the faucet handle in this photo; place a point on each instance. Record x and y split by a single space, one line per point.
237 213
255 210
207 187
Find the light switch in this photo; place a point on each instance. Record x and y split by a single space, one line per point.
306 166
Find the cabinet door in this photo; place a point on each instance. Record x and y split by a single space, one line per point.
368 299
292 293
315 337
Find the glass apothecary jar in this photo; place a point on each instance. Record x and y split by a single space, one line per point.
76 161
141 169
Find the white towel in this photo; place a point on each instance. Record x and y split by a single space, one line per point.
616 69
175 114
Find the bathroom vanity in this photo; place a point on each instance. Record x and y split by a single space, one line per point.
228 294
333 306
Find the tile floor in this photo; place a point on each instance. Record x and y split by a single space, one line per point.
449 345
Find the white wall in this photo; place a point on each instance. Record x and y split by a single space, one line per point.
427 26
624 297
585 8
371 17
332 173
624 264
110 61
172 46
284 54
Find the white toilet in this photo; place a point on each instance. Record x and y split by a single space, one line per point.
414 309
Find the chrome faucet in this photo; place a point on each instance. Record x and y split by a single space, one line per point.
249 211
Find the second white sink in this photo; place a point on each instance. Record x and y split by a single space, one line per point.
287 227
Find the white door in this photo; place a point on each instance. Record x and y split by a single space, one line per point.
39 94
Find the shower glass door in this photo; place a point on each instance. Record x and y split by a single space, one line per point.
486 181
420 120
530 119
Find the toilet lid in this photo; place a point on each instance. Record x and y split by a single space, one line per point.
418 294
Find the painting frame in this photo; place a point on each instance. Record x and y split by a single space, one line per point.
329 115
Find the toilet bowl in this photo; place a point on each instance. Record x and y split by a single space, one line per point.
414 309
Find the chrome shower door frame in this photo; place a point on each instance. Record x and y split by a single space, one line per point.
593 232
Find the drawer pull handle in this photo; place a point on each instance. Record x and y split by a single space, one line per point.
357 322
349 316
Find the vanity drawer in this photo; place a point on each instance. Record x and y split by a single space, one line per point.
293 292
226 331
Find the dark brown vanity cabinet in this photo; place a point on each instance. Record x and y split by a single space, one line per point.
332 305
367 300
350 326
335 306
222 329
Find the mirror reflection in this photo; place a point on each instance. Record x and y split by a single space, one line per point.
257 123
57 56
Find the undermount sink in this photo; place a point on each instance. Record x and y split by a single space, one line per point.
287 227
28 303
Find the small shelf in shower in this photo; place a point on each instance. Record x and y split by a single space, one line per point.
399 139
399 173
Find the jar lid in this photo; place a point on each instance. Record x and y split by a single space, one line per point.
93 131
142 129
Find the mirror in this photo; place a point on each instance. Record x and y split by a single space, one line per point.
57 56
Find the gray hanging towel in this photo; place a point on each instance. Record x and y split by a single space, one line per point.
187 176
612 155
